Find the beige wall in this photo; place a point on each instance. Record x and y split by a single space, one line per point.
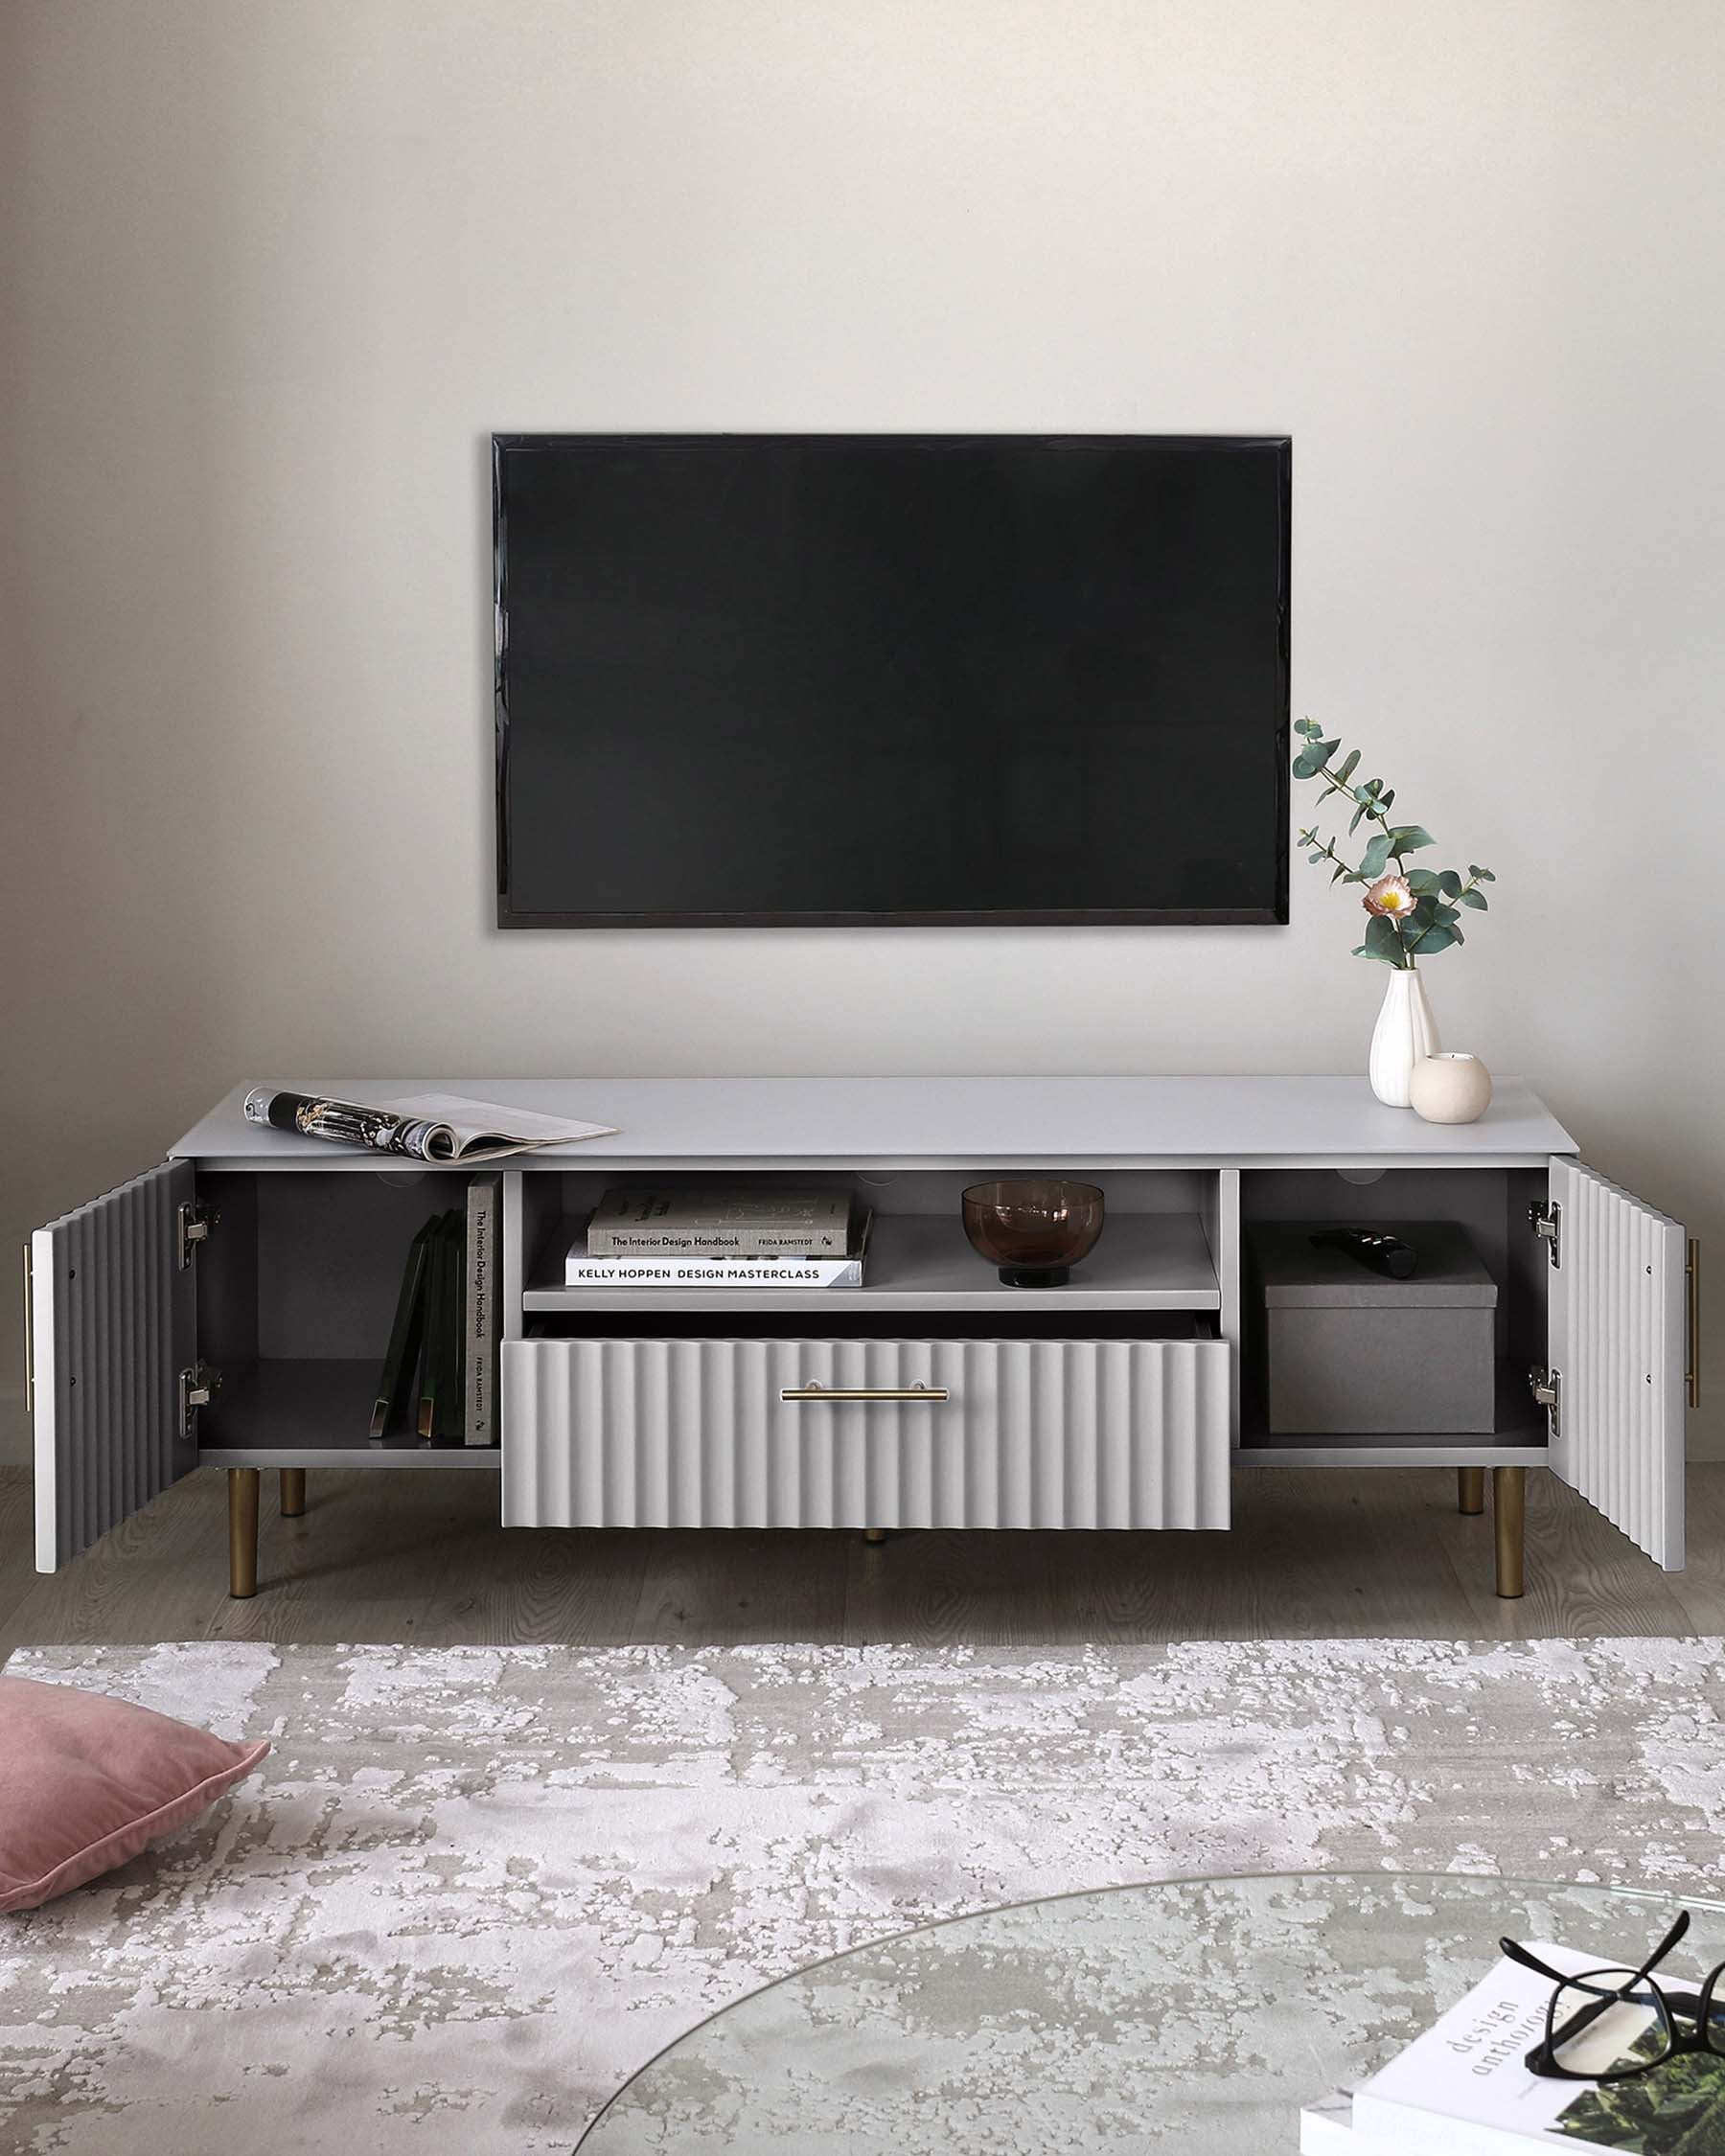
280 267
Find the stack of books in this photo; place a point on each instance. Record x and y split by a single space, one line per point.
439 1381
760 1238
1463 2088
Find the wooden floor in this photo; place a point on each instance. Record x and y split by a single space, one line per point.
421 1557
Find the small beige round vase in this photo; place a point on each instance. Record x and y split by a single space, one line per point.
1450 1088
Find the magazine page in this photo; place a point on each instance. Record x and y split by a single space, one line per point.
479 1125
347 1122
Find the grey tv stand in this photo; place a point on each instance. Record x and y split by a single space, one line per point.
228 1307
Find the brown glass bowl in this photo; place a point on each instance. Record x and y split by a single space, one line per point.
1035 1230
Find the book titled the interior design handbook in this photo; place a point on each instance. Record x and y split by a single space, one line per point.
758 1223
581 1270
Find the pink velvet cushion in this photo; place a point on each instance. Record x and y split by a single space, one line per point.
87 1781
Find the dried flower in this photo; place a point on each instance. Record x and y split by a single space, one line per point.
1389 896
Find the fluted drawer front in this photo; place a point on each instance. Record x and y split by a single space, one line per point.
1032 1433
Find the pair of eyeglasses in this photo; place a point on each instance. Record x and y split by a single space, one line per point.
1610 2025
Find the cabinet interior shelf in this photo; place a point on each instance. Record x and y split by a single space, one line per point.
284 1409
1518 1439
923 1261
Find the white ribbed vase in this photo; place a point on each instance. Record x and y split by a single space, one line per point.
1406 1031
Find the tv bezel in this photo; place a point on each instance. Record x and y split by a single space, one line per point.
511 916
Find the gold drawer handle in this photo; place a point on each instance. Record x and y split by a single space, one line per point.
864 1392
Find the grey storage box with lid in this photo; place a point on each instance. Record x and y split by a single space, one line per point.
1350 1353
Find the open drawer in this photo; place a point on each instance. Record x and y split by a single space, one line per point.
617 1431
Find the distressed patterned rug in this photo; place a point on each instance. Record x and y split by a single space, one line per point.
473 1888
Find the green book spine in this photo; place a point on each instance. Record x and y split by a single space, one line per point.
430 1356
440 1386
401 1359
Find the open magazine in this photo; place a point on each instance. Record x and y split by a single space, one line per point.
435 1127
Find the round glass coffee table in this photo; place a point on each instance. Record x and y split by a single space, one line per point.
1198 2015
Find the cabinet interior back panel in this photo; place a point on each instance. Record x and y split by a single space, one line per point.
330 1254
1476 1199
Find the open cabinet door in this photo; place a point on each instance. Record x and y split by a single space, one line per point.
114 1321
1617 1351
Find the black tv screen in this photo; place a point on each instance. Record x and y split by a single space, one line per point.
858 678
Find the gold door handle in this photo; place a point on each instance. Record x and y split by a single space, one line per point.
29 1343
836 1392
1692 1278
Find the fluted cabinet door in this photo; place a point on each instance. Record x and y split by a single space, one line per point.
1013 1434
1616 1344
112 1323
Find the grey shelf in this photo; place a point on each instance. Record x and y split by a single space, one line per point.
1519 1439
303 1412
922 1261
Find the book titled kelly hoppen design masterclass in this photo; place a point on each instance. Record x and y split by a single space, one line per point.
581 1270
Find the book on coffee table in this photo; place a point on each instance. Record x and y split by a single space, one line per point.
1326 2128
1463 2087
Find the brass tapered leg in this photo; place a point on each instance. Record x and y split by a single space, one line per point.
874 1534
293 1493
1470 1489
242 1530
1510 1513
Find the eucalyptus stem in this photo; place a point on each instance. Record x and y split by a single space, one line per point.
1342 786
1327 848
1371 809
1423 912
1469 885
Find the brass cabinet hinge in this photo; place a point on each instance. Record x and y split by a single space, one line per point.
196 1222
1547 1388
197 1388
1548 1221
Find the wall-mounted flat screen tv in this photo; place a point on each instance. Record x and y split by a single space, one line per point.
795 678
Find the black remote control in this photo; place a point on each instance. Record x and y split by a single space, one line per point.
1386 1255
